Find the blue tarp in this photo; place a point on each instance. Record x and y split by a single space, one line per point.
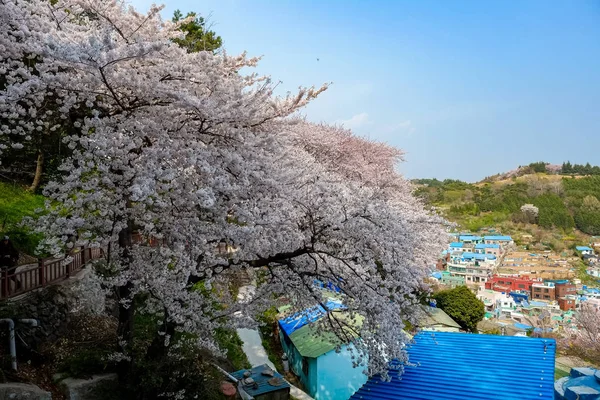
308 316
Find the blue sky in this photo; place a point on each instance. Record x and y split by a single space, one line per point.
466 88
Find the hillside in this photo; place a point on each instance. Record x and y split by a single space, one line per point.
568 205
16 203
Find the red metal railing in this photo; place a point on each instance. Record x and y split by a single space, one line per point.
48 271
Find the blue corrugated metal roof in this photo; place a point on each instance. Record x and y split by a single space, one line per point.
456 244
462 238
308 316
452 366
262 380
487 246
468 255
584 248
498 237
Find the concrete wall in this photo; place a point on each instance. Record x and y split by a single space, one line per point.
295 359
336 379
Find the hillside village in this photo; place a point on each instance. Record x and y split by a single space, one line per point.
516 285
171 228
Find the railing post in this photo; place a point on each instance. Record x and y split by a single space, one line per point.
41 273
4 284
82 256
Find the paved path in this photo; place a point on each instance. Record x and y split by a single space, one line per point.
256 353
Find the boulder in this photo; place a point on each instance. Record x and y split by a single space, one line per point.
22 391
98 387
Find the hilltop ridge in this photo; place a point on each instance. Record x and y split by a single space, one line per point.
566 197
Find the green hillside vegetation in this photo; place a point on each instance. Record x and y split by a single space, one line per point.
564 202
16 203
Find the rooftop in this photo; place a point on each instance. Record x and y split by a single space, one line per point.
487 246
265 383
456 244
468 238
498 237
312 341
584 248
436 316
449 366
308 316
468 255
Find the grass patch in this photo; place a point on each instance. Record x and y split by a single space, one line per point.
559 373
16 203
270 338
229 340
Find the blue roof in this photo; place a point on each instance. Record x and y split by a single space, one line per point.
308 316
262 380
584 248
498 237
437 275
534 303
456 244
468 255
522 326
449 366
487 246
462 238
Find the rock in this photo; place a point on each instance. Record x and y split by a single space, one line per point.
99 387
21 391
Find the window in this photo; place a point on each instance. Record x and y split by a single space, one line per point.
521 286
545 290
537 289
304 366
546 296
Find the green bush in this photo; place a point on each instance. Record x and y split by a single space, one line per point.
86 362
15 204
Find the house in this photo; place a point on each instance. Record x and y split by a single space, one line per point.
435 319
262 383
582 383
446 365
498 239
584 250
543 291
457 246
567 303
564 288
483 248
452 280
509 284
326 373
470 239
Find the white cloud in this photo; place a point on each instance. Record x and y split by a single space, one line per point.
357 121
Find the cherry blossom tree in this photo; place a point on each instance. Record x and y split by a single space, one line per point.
585 340
530 212
185 148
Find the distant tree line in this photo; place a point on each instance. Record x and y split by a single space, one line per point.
579 169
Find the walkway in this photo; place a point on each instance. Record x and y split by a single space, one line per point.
256 353
47 271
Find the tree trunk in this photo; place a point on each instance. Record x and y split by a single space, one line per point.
38 172
126 313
